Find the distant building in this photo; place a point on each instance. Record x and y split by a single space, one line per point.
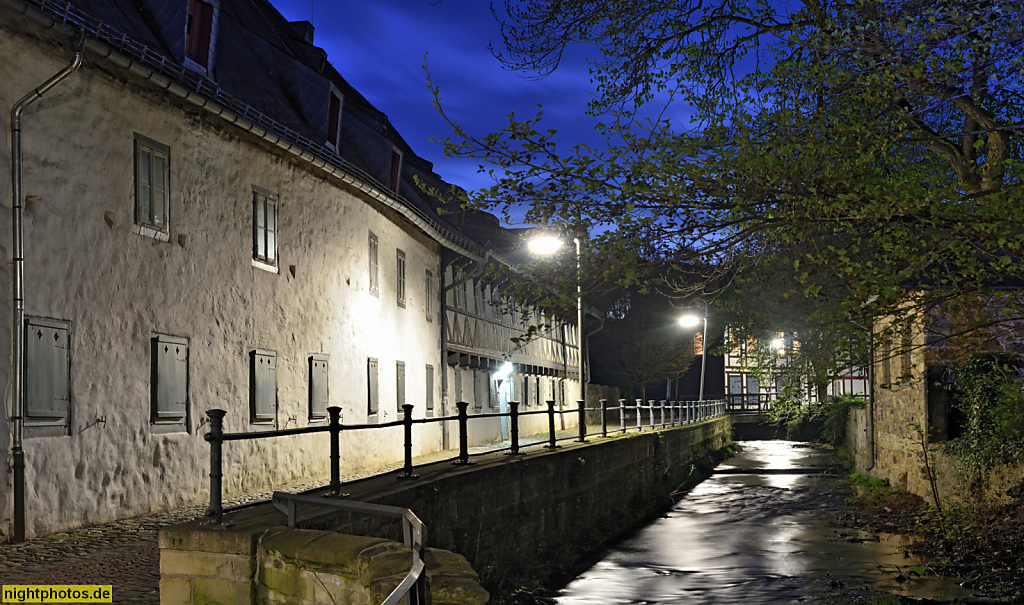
755 374
214 218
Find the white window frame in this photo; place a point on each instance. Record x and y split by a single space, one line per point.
400 277
267 235
146 156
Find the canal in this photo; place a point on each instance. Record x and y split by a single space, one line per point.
760 530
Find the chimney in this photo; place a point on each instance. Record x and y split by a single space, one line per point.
304 29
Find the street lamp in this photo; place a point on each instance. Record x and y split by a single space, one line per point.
546 245
691 320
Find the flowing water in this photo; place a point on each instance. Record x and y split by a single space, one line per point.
757 531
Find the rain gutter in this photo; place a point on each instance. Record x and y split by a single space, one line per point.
18 236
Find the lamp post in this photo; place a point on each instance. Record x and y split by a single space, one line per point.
689 321
546 245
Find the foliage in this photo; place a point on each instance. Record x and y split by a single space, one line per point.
641 345
831 416
987 390
869 144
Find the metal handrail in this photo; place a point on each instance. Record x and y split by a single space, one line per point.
414 530
669 414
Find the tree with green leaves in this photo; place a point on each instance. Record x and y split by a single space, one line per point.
868 143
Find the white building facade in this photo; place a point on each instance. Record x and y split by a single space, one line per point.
185 250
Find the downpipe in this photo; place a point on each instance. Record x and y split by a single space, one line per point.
18 236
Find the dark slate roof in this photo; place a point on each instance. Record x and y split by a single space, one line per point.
262 64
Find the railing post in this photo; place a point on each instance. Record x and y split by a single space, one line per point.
513 427
650 412
582 406
335 413
551 425
604 417
407 425
639 421
661 409
463 433
622 415
216 439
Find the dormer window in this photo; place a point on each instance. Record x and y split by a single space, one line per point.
198 31
334 117
396 168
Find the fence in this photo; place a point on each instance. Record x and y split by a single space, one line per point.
658 415
750 403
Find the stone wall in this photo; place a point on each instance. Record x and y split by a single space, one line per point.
899 409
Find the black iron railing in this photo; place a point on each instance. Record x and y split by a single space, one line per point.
659 414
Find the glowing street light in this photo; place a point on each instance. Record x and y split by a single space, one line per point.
691 320
546 245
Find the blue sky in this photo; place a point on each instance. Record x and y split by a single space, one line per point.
379 45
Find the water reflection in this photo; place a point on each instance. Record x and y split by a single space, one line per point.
742 537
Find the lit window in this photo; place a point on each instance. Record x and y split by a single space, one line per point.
374 266
264 227
197 32
152 172
401 279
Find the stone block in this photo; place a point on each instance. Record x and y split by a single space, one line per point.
205 564
214 591
280 576
198 536
175 591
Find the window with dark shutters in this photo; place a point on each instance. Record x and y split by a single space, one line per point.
400 385
372 398
263 386
318 394
430 390
169 383
47 372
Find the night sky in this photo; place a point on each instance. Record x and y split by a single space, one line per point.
378 46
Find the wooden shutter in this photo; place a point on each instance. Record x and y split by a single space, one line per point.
373 403
47 366
263 386
319 397
170 378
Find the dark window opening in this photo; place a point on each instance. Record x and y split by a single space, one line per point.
333 119
197 32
